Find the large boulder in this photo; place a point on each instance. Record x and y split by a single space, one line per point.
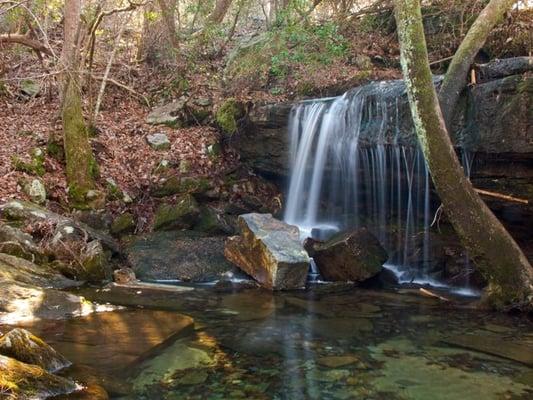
349 256
20 244
26 347
170 114
26 382
184 255
270 251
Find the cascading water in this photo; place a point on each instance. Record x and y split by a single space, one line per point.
355 161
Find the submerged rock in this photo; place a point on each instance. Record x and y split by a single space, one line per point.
27 382
26 347
350 256
270 251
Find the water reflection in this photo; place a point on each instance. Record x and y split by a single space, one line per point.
307 345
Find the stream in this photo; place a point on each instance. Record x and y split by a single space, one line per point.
330 342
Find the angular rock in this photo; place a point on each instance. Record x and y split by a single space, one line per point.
350 256
27 382
269 250
158 141
181 215
169 114
183 255
28 348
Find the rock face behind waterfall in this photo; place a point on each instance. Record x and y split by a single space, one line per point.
270 251
349 256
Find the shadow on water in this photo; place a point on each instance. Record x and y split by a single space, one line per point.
355 344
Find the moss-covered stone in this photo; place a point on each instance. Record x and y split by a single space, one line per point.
123 224
55 150
175 185
35 190
181 215
28 348
24 381
210 222
95 264
228 115
113 190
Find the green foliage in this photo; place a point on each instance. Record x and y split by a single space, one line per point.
34 167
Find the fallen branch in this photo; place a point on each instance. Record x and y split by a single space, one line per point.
123 86
25 41
427 293
502 196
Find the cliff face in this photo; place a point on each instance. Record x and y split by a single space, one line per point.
494 119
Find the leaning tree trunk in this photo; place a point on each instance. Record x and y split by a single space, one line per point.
494 251
455 78
219 12
80 163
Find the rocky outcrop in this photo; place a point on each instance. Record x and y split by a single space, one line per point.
29 292
492 118
349 256
269 250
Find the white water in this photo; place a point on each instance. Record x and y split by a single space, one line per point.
352 164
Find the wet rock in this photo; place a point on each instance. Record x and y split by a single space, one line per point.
122 337
336 361
97 380
187 256
512 350
95 263
158 141
26 382
17 243
181 215
351 256
169 114
123 224
124 275
342 328
22 345
177 357
36 191
269 250
213 222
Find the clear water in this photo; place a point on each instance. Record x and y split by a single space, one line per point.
319 344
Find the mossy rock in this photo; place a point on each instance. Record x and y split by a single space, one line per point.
95 264
28 348
175 185
24 381
181 215
123 224
34 167
227 116
210 221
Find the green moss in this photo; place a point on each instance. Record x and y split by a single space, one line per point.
181 215
227 116
55 150
34 167
123 224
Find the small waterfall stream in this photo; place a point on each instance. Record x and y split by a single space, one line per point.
355 161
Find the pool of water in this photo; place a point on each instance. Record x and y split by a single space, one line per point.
317 344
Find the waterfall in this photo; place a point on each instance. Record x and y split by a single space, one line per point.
355 161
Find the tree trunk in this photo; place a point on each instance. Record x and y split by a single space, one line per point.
493 250
455 78
80 164
219 12
157 45
168 11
